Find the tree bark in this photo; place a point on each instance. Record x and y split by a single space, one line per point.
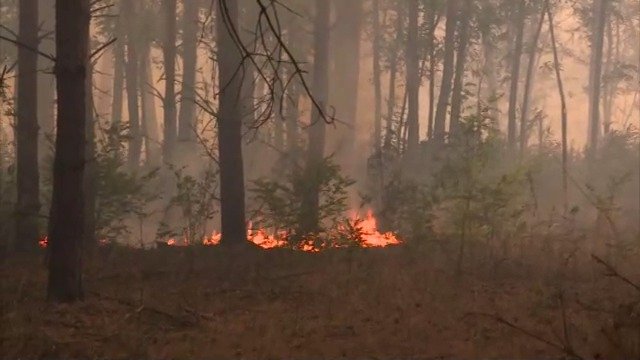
131 69
309 216
377 77
187 116
413 83
515 75
28 175
563 109
90 175
439 124
232 199
149 115
461 57
67 210
595 71
169 101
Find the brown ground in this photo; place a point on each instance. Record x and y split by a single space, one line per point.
367 304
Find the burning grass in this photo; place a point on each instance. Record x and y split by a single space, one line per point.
398 302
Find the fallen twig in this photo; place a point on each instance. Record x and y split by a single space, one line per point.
612 272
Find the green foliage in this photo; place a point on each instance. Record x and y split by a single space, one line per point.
279 202
196 198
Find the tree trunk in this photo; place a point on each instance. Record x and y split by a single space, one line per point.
439 124
118 81
489 70
346 59
431 48
149 115
461 57
232 199
135 139
515 75
393 73
28 175
169 101
413 83
187 117
309 216
90 174
595 71
528 86
377 77
67 210
563 102
46 80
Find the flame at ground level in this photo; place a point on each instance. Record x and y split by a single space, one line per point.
363 231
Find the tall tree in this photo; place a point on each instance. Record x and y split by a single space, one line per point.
595 72
131 72
519 23
67 210
461 57
232 202
413 82
169 101
377 75
46 86
149 115
528 84
439 124
28 178
187 116
309 216
118 78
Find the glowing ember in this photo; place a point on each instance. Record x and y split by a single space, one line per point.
43 242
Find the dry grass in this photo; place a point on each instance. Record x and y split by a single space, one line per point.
369 304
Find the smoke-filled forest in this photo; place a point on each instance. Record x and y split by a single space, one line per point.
311 179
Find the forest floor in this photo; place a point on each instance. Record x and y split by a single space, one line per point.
401 303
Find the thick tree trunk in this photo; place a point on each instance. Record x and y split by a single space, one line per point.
28 175
46 80
90 180
528 85
309 216
169 102
413 83
595 73
232 201
440 120
67 210
461 57
131 69
346 59
149 115
187 116
515 75
377 77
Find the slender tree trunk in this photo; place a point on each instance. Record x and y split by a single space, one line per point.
461 57
131 69
67 210
28 175
377 77
528 86
169 101
293 112
610 84
393 74
149 115
431 48
46 80
563 103
413 83
439 124
489 70
515 74
187 116
309 217
118 81
595 71
232 199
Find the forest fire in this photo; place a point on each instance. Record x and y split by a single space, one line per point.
363 230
